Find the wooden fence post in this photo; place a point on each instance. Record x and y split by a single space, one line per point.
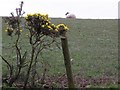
67 61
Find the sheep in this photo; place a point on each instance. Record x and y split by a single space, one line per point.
68 15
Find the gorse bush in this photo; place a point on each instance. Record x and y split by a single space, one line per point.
38 24
39 27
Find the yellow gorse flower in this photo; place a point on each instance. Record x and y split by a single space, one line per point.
62 26
21 30
41 24
6 30
49 27
46 23
66 28
56 30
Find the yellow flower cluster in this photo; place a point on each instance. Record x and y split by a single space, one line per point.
11 30
62 27
39 16
41 24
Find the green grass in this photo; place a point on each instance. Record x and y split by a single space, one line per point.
93 46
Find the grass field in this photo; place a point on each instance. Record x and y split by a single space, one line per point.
93 45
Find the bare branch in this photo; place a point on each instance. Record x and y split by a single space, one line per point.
10 67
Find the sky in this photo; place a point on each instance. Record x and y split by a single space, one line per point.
94 9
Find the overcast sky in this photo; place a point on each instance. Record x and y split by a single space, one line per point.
58 8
